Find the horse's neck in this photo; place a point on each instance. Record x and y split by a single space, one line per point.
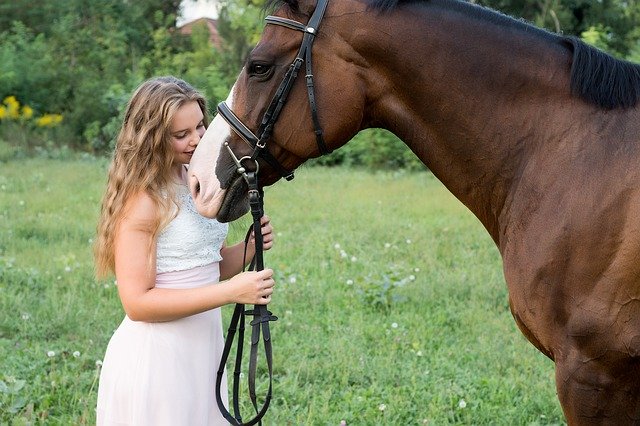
465 96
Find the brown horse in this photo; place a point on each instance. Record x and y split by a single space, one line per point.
537 134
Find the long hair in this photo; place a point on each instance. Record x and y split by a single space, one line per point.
142 161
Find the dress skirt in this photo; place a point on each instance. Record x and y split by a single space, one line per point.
164 373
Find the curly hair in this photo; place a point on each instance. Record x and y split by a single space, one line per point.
142 161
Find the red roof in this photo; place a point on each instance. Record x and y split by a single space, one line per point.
212 26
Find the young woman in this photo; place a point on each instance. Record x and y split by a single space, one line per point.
160 365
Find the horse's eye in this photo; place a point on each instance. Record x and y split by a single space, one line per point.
259 70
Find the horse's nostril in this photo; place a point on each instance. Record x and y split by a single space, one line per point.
197 188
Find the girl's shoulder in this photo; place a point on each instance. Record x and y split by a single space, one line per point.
140 210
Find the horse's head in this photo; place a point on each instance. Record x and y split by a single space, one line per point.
217 186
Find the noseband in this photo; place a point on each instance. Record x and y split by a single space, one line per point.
261 316
258 144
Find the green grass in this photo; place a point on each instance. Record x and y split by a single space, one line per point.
390 295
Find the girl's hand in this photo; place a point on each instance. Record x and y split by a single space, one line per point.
252 288
267 233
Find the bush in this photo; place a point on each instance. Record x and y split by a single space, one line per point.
373 149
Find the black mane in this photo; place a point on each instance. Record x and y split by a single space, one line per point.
596 76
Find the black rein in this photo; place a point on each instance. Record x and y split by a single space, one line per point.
261 315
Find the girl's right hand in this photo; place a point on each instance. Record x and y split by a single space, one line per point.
252 288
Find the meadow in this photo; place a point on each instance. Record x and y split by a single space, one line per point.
392 304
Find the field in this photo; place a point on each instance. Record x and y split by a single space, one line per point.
392 304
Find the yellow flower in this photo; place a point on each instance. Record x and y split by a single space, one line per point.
13 107
49 120
10 100
3 112
27 112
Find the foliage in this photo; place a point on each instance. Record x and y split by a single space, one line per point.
410 326
82 59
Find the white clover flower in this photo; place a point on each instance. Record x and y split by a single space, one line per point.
59 277
99 363
349 282
462 404
90 240
25 316
416 270
51 354
343 254
382 407
67 268
76 354
394 325
387 245
21 203
336 246
408 241
354 259
412 277
292 279
419 353
343 423
288 312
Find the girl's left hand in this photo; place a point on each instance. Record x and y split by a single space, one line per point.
267 233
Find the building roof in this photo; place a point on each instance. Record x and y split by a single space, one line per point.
212 26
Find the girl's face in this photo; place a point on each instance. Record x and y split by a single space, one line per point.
187 127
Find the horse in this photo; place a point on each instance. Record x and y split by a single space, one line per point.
536 133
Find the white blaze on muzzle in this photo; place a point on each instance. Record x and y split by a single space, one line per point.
203 182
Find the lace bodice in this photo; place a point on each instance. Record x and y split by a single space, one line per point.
189 240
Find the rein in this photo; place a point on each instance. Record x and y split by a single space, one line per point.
261 315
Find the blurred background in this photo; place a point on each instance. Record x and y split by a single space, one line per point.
68 67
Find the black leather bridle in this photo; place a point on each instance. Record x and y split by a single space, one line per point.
259 144
262 316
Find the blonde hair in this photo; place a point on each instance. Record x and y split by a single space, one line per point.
142 161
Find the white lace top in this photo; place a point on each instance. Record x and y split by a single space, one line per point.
189 240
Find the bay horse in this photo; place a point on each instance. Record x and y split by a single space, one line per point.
537 134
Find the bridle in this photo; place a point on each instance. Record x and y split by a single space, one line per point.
259 144
262 316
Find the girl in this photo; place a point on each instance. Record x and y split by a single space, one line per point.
160 364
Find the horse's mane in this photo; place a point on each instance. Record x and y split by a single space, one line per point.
596 76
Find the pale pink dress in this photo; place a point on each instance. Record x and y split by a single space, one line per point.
156 374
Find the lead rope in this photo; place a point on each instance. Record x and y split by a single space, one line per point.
259 325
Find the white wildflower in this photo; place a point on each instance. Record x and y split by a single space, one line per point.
382 407
76 354
462 404
394 325
387 245
354 259
25 316
336 246
51 354
412 277
408 241
292 279
349 282
99 363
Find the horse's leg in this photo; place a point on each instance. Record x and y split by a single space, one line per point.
599 391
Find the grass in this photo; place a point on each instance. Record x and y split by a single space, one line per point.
392 304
